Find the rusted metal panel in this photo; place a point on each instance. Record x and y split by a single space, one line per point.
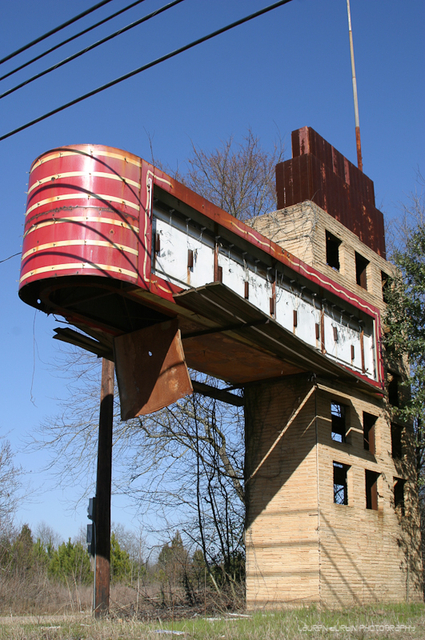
235 359
151 369
318 172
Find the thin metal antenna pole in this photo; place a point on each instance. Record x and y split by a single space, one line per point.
356 104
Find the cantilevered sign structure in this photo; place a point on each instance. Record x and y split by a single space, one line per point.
287 306
129 256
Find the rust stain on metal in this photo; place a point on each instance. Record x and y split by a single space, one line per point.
151 369
318 172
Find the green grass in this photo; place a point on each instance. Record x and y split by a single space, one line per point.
401 622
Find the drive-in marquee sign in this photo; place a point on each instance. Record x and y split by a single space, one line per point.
155 277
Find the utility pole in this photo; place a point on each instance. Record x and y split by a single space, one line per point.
356 103
103 492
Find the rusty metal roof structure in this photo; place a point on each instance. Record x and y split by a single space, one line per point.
318 172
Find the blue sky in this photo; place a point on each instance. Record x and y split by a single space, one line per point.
285 70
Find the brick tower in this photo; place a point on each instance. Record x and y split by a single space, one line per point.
332 512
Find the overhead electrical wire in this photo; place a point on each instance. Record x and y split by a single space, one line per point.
90 47
55 30
149 65
10 257
71 38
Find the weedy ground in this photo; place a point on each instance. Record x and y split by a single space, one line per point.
397 622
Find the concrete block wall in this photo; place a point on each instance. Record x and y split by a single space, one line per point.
281 484
301 229
366 555
302 547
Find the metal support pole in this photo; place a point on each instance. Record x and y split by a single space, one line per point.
103 491
356 103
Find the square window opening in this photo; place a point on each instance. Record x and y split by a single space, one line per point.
399 494
339 427
372 490
394 389
385 282
340 483
396 441
361 266
332 251
369 422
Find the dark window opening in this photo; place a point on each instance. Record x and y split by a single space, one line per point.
317 331
361 265
371 490
396 441
394 389
338 415
246 292
219 274
340 483
295 318
399 494
332 251
385 281
190 259
369 431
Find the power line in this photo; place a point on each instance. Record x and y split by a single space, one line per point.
90 47
145 67
10 257
55 30
68 40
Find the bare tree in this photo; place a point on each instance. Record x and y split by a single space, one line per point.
197 447
237 177
47 536
9 486
182 466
